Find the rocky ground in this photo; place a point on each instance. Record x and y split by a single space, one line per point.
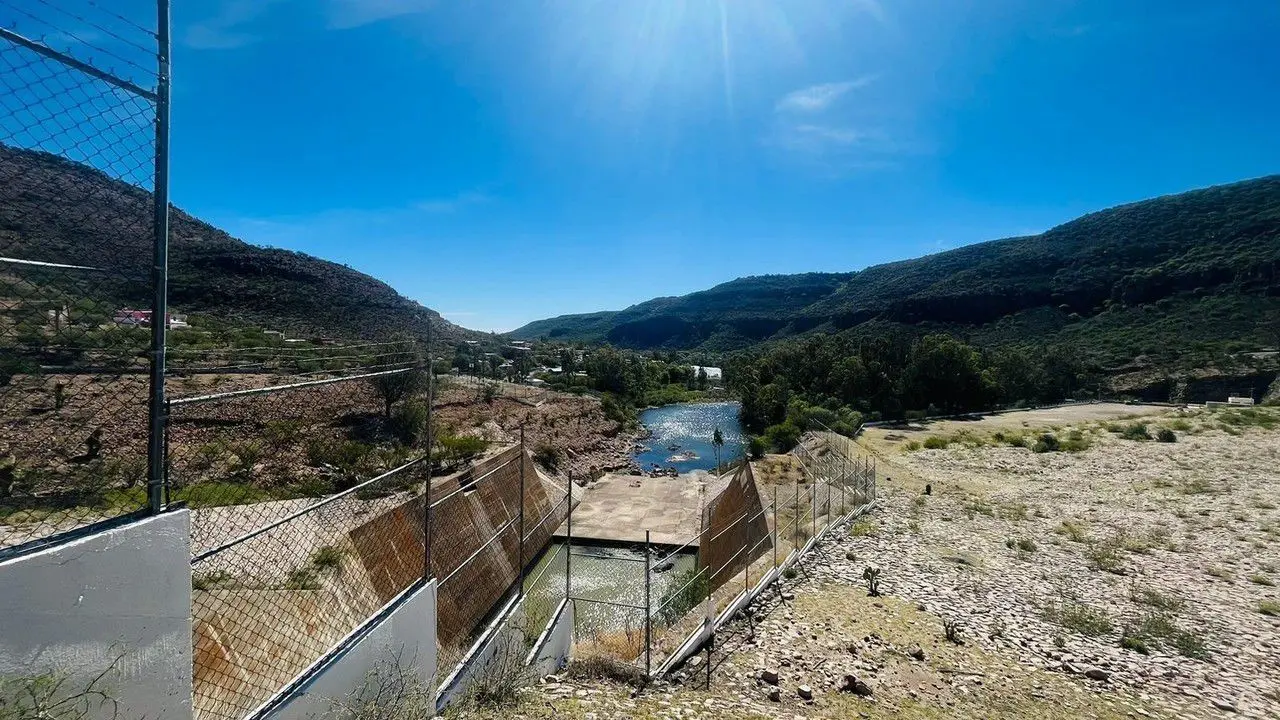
1126 578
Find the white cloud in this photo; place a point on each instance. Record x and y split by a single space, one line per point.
226 29
817 98
347 14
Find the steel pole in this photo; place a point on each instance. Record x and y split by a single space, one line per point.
156 478
775 526
426 516
520 593
648 616
568 542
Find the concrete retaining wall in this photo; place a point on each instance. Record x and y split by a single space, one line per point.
551 653
115 604
403 641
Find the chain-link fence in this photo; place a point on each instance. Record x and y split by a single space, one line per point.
83 176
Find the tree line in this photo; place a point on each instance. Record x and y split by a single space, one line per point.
842 381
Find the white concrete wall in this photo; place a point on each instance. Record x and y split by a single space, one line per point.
118 599
405 639
480 656
551 653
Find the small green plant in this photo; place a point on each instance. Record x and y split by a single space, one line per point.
1026 545
302 579
1105 556
871 575
1260 579
327 557
205 581
936 442
1220 573
548 456
911 446
952 631
1076 441
1079 617
1138 645
1073 531
689 588
1160 629
1163 601
864 528
790 573
1165 435
1048 442
1269 607
1135 431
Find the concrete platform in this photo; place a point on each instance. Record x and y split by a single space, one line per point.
620 508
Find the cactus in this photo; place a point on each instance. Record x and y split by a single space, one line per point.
951 629
872 575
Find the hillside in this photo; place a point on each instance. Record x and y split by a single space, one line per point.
1200 266
53 210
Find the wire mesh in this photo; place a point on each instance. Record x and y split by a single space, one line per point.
476 552
77 164
269 603
242 458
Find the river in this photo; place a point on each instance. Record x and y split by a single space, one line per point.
690 426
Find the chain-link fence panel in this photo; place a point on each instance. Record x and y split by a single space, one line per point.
241 458
78 110
271 601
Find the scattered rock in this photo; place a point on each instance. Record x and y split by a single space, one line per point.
769 676
693 662
775 695
805 692
915 652
1098 674
855 686
1224 705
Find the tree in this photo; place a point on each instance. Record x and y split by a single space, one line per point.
702 378
717 441
394 387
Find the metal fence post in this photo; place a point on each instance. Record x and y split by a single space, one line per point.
775 526
159 268
828 505
648 610
568 543
426 515
520 592
813 501
795 532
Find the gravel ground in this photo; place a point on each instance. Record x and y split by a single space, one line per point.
1045 562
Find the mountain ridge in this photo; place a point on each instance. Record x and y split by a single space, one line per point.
1208 246
56 210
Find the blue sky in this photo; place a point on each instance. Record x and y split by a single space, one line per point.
507 160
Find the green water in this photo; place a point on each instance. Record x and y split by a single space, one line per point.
612 576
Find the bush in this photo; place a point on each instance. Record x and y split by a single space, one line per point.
936 442
548 456
783 436
409 422
687 589
452 450
1079 617
1135 431
1046 443
756 447
1165 435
